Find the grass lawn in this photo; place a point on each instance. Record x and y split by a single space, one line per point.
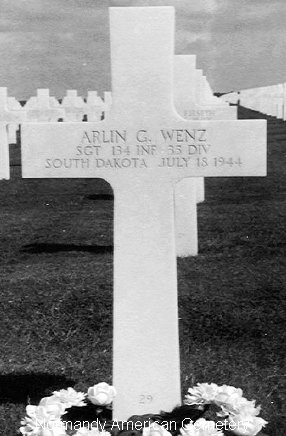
56 287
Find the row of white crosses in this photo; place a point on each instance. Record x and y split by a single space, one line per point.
45 108
143 148
193 99
269 100
11 115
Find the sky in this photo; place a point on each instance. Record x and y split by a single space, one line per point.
64 44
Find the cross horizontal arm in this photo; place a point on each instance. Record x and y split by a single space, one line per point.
175 150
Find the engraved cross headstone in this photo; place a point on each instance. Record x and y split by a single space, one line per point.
190 191
142 149
190 98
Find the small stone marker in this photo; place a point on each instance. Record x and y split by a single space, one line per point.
142 149
43 108
191 191
75 107
11 113
4 153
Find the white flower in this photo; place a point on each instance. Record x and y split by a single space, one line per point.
155 430
69 397
233 402
203 393
201 427
46 412
31 427
42 417
101 394
247 408
230 390
227 394
50 408
35 427
243 425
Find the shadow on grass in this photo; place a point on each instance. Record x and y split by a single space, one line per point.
22 388
55 248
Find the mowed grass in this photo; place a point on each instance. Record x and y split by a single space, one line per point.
56 287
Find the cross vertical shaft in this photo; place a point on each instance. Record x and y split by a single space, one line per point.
146 370
139 51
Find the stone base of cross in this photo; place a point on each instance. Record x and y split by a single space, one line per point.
143 148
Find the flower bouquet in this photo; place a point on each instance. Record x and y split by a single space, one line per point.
68 412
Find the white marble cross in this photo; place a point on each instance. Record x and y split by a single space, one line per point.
11 113
43 107
191 191
94 106
74 106
192 94
142 149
